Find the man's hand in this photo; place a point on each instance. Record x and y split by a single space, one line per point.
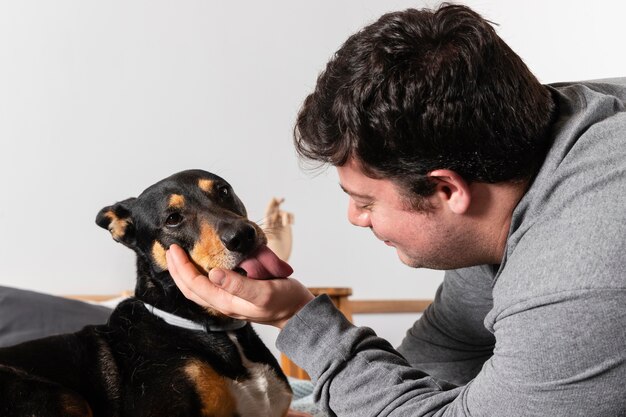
267 301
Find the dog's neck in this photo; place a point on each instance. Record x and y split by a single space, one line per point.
178 321
157 289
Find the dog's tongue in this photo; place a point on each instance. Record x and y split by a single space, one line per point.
265 264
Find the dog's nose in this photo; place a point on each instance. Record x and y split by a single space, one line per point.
239 238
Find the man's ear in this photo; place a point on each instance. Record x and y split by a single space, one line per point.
452 190
118 220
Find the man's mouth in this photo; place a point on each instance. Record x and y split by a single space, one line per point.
386 242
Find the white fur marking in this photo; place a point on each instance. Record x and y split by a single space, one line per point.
263 394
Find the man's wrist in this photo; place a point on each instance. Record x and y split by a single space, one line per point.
283 322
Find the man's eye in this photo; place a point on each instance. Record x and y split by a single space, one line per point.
364 206
174 220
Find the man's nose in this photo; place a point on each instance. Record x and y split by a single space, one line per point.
357 216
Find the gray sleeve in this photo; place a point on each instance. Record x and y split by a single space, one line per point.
356 373
557 356
450 340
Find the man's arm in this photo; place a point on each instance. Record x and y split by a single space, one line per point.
561 355
450 340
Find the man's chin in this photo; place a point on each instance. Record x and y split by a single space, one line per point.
407 260
413 262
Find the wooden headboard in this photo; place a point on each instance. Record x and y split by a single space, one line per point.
99 297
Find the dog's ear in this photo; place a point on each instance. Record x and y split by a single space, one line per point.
118 220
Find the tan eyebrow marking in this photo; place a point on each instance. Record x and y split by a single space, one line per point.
205 185
176 201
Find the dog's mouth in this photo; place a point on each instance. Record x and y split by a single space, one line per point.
265 264
240 271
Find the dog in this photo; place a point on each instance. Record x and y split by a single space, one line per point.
159 354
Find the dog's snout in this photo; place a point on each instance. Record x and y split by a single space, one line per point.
239 238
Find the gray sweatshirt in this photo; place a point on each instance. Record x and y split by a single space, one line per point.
541 334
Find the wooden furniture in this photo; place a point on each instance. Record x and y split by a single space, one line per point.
340 297
388 306
98 298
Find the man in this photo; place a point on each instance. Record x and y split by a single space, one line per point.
451 151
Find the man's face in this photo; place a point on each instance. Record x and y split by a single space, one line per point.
423 239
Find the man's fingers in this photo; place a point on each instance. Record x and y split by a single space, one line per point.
180 265
187 277
229 281
205 292
235 284
189 294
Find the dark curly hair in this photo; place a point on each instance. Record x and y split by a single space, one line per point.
420 90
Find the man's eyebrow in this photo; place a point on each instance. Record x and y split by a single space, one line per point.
353 194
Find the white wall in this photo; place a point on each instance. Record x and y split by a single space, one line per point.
100 99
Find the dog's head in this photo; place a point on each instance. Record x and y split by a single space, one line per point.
194 209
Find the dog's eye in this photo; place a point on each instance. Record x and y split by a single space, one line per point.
174 220
223 191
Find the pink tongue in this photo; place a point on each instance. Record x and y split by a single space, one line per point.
265 264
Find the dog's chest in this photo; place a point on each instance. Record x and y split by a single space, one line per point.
263 394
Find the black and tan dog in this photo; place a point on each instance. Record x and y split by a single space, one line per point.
159 354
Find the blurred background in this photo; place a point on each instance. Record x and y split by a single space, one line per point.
100 99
